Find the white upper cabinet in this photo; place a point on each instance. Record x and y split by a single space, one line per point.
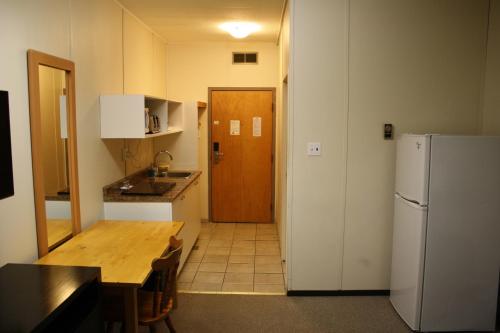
124 116
144 60
159 68
137 57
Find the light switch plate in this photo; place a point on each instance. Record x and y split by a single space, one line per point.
314 149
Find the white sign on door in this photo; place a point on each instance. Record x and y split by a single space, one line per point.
257 126
234 128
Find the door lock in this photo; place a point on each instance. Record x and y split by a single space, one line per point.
217 153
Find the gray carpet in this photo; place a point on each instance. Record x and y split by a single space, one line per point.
242 313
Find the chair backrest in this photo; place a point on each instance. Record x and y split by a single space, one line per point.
165 283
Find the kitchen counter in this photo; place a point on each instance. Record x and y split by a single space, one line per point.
112 192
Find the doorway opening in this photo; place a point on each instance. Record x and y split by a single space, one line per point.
238 251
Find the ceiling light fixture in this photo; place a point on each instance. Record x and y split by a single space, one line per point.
240 29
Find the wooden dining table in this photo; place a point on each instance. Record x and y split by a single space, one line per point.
124 250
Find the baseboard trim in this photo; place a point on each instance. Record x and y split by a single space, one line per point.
338 293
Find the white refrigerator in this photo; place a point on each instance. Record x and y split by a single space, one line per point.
446 241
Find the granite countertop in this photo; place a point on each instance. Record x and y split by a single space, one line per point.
112 192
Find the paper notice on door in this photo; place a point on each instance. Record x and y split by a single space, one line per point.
257 126
234 128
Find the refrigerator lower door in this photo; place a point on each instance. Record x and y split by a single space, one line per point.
462 257
412 167
408 251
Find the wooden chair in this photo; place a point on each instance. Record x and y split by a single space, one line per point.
156 298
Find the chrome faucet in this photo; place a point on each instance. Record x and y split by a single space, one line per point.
160 153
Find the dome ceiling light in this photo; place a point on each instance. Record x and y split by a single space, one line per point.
240 29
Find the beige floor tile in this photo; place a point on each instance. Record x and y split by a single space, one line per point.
268 268
202 286
264 278
183 286
267 252
240 268
267 259
269 288
213 267
186 277
221 251
243 251
267 244
204 235
190 267
266 232
207 225
225 225
198 252
208 277
267 237
266 226
195 257
246 226
237 287
216 259
232 277
244 236
202 242
241 259
243 243
244 231
222 235
220 243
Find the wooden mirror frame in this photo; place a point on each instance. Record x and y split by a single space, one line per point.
35 59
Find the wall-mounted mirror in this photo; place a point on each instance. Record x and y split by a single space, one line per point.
53 147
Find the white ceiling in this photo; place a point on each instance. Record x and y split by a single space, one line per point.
198 20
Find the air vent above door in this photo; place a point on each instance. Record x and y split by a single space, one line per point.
245 58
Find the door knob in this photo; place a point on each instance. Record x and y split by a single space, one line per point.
217 156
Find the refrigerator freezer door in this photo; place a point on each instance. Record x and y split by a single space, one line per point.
412 167
408 249
463 231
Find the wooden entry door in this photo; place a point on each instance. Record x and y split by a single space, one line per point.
241 155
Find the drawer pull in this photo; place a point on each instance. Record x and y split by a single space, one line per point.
183 197
196 182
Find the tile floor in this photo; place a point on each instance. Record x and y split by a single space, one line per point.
234 258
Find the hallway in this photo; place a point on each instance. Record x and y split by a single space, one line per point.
234 258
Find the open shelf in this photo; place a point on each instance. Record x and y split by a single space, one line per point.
123 116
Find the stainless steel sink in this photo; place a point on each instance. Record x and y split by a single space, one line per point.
175 174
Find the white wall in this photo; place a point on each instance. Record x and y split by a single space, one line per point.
193 67
43 26
89 33
491 102
416 64
96 49
317 113
423 76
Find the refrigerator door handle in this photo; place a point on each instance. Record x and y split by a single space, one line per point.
410 203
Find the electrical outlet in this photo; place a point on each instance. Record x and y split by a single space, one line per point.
125 154
314 149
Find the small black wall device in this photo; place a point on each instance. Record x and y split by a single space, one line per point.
6 178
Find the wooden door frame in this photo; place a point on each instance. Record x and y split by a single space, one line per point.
273 144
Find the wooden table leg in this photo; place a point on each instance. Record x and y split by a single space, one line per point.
131 316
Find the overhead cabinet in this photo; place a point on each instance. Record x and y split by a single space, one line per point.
144 60
124 116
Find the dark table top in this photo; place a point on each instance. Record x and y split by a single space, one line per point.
31 296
